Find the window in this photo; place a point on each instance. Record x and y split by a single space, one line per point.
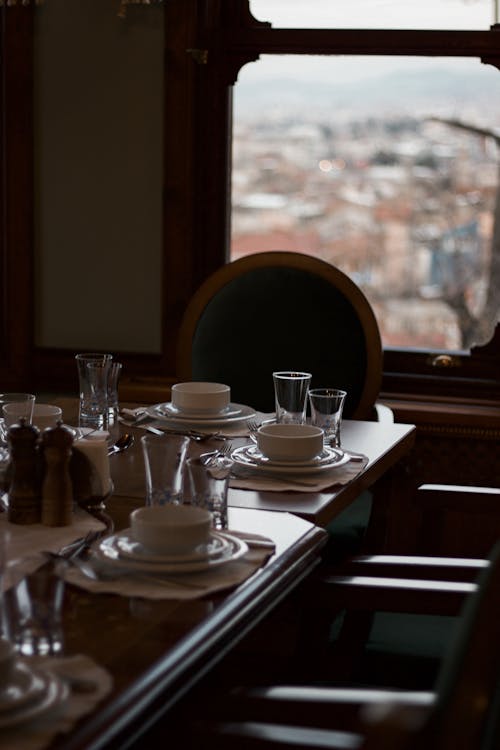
210 49
385 166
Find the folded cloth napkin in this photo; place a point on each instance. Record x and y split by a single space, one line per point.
180 586
243 478
88 684
25 541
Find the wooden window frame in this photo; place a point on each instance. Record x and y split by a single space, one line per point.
206 44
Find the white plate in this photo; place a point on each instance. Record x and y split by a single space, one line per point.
234 413
245 457
108 551
25 686
327 456
169 410
129 548
55 691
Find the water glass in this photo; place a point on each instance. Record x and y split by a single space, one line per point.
93 371
164 460
326 412
290 391
114 374
208 486
34 605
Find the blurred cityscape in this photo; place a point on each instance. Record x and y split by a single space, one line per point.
365 176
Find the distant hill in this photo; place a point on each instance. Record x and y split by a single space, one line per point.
428 89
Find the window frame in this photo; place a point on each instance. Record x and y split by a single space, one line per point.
206 44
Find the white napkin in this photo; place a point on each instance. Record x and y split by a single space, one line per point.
245 480
180 586
25 541
89 684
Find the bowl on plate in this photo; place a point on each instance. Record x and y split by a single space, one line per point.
200 397
290 442
170 529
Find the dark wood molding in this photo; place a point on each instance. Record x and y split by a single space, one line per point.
16 167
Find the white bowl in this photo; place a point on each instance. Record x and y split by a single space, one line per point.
290 442
170 529
46 415
200 397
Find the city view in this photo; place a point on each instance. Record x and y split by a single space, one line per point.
391 176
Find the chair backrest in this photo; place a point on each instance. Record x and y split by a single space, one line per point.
282 311
468 687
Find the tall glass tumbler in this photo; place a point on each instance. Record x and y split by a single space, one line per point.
164 460
93 373
290 391
208 486
327 405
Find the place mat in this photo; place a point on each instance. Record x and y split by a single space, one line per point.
25 541
185 585
89 683
245 479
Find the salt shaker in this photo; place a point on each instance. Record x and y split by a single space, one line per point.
24 487
57 488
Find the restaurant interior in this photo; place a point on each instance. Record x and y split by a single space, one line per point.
372 622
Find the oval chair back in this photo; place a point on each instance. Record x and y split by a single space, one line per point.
282 311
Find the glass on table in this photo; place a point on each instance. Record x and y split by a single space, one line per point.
208 486
164 460
290 392
33 604
93 372
327 405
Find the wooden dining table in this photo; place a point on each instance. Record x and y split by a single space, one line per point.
157 650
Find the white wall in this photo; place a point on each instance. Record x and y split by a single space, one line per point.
98 175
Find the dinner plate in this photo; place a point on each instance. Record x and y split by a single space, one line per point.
233 413
327 455
245 457
24 686
55 691
129 548
108 551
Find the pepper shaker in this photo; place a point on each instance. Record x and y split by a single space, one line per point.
24 486
57 487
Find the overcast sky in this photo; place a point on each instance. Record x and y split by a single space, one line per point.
438 14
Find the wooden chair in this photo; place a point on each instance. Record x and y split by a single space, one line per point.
460 713
393 647
281 310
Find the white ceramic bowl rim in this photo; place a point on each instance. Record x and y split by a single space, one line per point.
200 396
290 441
170 528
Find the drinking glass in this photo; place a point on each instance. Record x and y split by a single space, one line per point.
290 391
208 486
93 371
34 605
326 412
114 373
164 459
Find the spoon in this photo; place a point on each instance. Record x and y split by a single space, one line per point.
123 442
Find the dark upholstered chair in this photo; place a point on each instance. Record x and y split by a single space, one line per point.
278 311
282 311
460 713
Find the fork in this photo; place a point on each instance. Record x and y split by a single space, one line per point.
253 427
222 452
